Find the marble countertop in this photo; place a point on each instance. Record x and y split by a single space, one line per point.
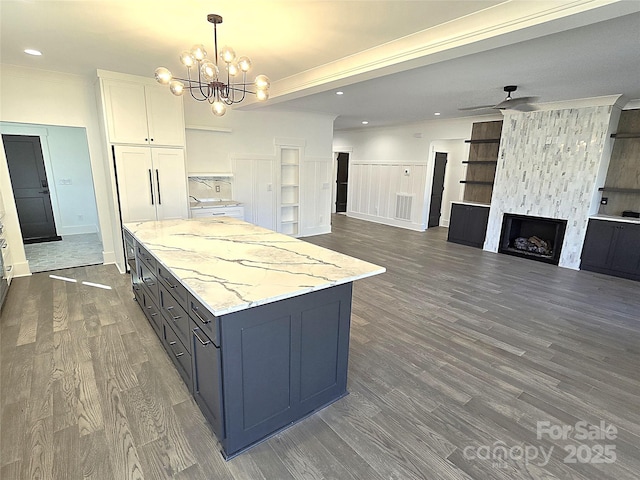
615 218
214 203
231 265
475 204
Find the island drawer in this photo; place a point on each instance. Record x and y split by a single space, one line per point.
179 355
149 280
151 311
173 286
176 317
146 257
206 320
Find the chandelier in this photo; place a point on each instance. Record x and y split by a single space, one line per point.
210 84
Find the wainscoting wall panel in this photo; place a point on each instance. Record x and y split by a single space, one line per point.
375 187
316 196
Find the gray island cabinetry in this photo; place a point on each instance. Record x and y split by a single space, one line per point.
256 323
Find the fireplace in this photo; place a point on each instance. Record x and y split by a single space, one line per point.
536 238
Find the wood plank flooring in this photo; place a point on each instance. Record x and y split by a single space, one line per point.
454 353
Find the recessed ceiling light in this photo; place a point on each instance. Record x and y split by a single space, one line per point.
31 51
339 93
364 122
437 113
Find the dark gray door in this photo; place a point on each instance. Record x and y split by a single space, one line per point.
341 182
436 189
30 187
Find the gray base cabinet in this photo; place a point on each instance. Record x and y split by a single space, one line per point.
282 361
468 224
612 248
256 371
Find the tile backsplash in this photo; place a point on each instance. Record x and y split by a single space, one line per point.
208 188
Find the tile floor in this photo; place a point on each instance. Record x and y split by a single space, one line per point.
71 251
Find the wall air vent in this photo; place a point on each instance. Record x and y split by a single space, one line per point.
403 206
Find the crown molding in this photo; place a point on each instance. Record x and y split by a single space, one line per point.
503 24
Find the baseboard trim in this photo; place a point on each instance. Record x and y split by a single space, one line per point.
392 222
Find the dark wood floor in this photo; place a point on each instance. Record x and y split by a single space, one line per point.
455 352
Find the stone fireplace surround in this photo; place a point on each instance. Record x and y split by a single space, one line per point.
550 164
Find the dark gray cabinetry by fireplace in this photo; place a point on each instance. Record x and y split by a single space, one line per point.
613 248
468 224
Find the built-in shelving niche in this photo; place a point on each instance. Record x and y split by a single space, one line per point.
622 186
483 158
289 215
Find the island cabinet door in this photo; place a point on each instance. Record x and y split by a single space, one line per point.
207 380
282 361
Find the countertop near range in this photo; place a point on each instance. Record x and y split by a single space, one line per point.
231 265
214 203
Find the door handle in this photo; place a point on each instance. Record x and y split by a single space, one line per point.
151 186
43 191
158 184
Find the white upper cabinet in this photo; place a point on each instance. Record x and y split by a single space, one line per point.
142 114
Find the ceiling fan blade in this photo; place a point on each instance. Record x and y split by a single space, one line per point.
479 107
524 107
512 102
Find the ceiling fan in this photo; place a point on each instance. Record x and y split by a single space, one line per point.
522 104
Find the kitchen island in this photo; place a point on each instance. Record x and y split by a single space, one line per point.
256 322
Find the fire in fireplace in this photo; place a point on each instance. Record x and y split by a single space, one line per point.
536 238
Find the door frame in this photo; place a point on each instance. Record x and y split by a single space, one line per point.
334 176
42 133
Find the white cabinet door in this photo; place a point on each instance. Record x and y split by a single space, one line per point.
253 185
136 184
126 112
165 117
142 114
170 178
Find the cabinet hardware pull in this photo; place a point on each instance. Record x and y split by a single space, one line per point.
158 183
169 308
172 343
154 314
199 339
175 319
203 320
168 281
179 354
150 185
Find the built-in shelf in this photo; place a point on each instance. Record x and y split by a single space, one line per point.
474 182
619 190
485 162
483 140
289 211
625 135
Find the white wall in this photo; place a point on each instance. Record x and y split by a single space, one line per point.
68 167
50 98
380 156
256 134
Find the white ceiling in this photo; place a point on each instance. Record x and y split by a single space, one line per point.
396 61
